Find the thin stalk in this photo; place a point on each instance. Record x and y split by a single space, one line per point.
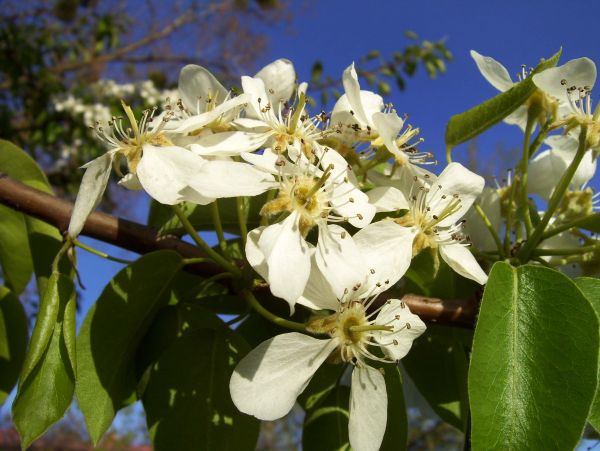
215 256
509 216
490 228
449 154
91 250
216 217
524 167
561 228
251 299
242 218
556 198
539 139
572 251
196 260
65 247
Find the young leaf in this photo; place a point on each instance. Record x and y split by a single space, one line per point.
110 334
13 340
187 399
590 287
534 364
46 390
475 121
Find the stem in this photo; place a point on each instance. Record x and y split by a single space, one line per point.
509 217
100 253
556 198
524 167
196 260
490 228
251 299
216 217
65 247
561 228
539 139
573 251
215 256
242 218
449 154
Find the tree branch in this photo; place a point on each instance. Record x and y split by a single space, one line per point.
143 239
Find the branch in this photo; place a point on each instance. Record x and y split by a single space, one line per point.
143 239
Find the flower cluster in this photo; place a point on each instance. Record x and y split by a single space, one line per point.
349 203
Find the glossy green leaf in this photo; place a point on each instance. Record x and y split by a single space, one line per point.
590 287
534 364
473 122
46 391
187 399
110 334
15 163
321 384
15 257
13 340
326 427
437 364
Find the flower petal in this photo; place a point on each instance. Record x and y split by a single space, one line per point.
387 249
352 88
579 72
288 258
461 260
225 178
368 409
407 327
198 121
197 85
388 126
494 72
279 78
455 180
350 202
258 100
93 185
254 255
318 294
228 143
388 198
268 380
339 259
131 181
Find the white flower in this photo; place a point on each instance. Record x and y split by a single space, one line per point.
435 208
268 380
312 198
546 168
490 202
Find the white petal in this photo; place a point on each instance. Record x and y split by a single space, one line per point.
339 259
368 409
268 380
198 121
461 260
258 99
229 143
387 249
131 181
265 161
545 169
388 126
250 125
358 210
579 72
518 117
93 185
224 178
279 78
318 294
407 327
493 71
196 84
388 198
481 238
254 255
352 88
288 258
165 171
455 179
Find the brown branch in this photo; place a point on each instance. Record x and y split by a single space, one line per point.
143 239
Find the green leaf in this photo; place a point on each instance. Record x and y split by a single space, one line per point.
316 72
15 163
46 391
13 340
475 121
15 257
326 427
187 399
111 331
534 364
590 287
321 384
437 364
396 430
